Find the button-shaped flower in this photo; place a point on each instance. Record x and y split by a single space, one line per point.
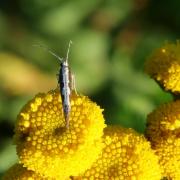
168 151
47 147
164 66
126 155
163 122
163 130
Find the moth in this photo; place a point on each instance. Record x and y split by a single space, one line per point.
66 83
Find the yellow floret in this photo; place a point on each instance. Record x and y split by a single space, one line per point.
168 151
163 122
126 156
46 146
18 172
164 66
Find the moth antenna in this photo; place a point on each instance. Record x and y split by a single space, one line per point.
67 55
49 50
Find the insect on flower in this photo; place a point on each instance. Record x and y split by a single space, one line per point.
66 82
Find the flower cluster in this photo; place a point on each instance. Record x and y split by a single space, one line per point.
163 124
48 150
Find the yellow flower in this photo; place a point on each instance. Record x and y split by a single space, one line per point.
163 130
164 66
45 146
18 172
168 151
163 122
126 156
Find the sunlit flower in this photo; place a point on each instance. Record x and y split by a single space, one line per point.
18 172
163 122
126 156
164 66
45 146
168 151
163 130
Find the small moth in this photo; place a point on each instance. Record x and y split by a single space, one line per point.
66 82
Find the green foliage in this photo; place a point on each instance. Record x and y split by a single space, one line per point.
7 154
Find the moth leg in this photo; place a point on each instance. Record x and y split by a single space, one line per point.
73 83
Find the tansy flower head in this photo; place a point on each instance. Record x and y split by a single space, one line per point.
164 122
45 146
164 66
168 151
126 155
18 172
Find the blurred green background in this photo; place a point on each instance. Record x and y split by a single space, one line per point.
111 40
